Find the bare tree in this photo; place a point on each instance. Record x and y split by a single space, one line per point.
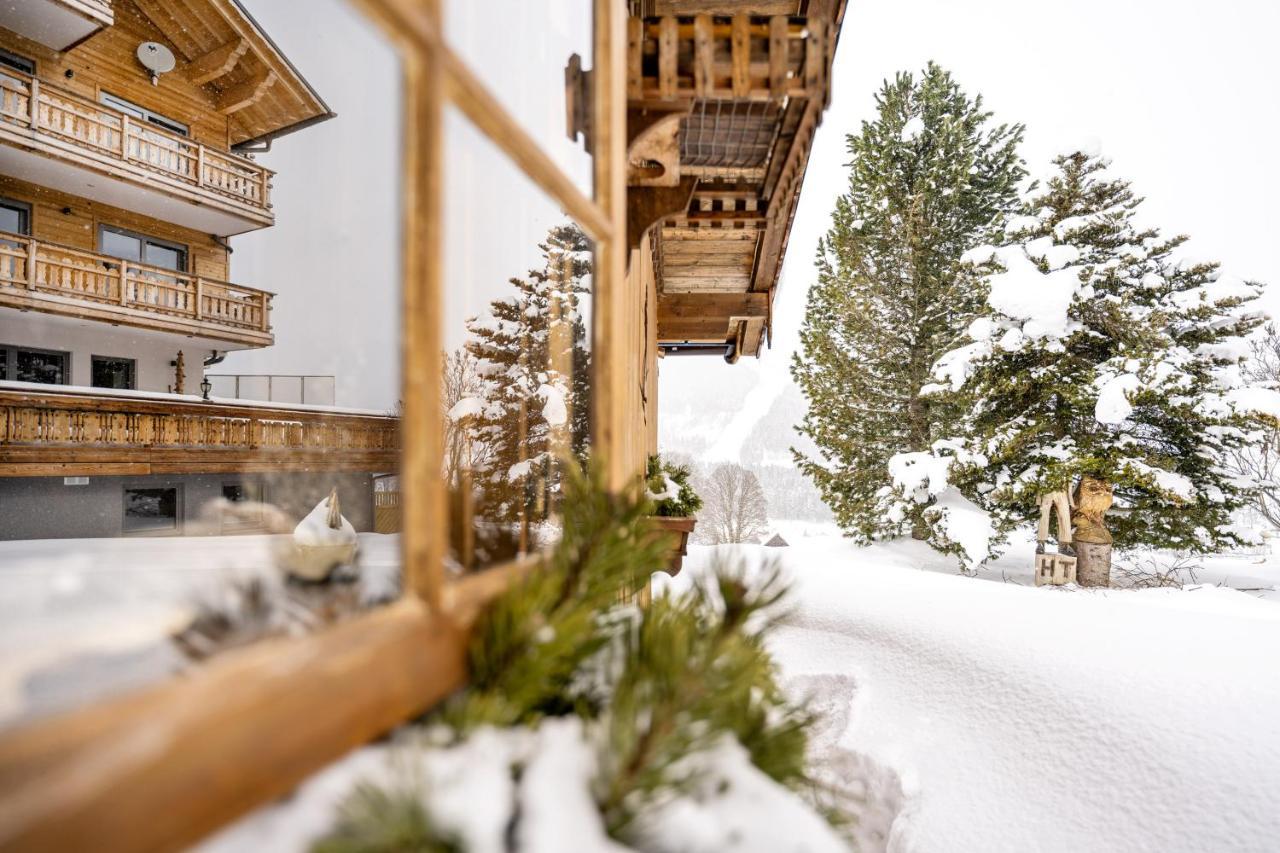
734 508
1261 461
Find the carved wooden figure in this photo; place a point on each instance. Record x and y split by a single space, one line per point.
1060 568
1093 540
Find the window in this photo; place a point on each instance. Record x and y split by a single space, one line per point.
149 510
16 62
15 217
131 246
25 364
145 114
247 501
111 372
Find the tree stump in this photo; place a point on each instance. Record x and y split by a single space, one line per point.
1092 539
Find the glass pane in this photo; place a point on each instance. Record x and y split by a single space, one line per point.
166 257
517 359
119 245
13 220
113 373
45 367
233 507
519 49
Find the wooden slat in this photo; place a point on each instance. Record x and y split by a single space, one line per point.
703 55
779 56
741 52
635 58
668 52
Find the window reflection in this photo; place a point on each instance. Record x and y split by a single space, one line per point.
516 402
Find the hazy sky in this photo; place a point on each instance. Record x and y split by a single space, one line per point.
1180 94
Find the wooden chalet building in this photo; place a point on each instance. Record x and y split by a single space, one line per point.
694 119
122 179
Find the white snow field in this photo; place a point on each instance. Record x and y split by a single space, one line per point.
959 713
972 715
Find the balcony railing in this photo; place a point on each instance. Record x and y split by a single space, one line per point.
58 279
90 431
109 137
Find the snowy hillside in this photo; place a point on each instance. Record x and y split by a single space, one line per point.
979 715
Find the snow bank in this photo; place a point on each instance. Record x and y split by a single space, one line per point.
1021 718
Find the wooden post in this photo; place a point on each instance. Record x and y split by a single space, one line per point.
33 93
424 540
609 103
199 310
31 265
124 136
200 165
124 283
740 52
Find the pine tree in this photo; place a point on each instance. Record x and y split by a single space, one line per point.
532 361
1103 362
928 177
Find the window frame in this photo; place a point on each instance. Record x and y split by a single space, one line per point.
151 117
133 371
11 362
24 209
181 248
17 62
179 501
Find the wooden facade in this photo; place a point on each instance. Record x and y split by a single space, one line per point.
99 777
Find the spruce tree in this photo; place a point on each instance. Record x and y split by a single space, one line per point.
928 177
532 361
1104 361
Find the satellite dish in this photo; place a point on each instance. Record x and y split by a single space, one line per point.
156 58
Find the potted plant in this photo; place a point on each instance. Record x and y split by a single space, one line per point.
675 504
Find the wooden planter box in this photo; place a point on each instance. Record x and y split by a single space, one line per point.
677 530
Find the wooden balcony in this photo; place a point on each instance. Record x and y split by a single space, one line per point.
40 276
90 432
56 24
67 142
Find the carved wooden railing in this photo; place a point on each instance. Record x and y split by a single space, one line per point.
86 427
745 57
31 269
106 134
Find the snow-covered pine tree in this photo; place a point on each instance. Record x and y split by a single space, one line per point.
1104 362
928 178
532 361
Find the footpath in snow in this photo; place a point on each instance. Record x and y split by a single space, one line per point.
972 715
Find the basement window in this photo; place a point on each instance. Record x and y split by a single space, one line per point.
149 510
144 114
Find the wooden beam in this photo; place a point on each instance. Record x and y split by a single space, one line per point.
217 62
647 206
160 768
247 93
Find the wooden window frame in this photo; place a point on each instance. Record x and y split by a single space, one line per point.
344 686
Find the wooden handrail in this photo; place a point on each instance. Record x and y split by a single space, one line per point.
30 102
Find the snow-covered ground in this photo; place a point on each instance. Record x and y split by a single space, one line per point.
973 715
961 714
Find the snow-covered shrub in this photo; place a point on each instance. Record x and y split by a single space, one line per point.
668 486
